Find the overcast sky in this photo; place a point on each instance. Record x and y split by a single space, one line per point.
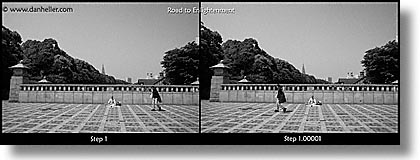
329 38
130 39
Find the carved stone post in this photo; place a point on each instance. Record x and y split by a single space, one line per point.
19 77
219 77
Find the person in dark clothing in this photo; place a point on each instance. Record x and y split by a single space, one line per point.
281 98
156 99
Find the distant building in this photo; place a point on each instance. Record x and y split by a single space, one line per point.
362 78
347 80
152 80
129 80
329 79
161 74
350 79
146 81
149 75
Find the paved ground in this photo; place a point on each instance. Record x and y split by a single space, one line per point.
94 118
327 118
216 117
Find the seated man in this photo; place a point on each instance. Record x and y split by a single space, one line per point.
312 101
112 101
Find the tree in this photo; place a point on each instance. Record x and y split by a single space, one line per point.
382 64
246 58
181 64
210 55
47 59
11 53
44 59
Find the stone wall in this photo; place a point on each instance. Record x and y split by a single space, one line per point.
338 94
97 94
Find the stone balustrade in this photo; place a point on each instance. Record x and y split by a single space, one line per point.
100 93
300 93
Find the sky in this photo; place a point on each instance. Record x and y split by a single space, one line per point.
129 39
330 39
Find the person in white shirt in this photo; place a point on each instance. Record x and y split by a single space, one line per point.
312 101
112 101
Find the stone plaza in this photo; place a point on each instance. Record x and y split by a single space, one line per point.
229 117
231 108
97 118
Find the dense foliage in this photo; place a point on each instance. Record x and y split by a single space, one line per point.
246 58
210 54
11 53
47 59
382 64
181 64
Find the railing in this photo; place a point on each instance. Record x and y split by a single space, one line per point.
312 87
106 87
100 93
300 93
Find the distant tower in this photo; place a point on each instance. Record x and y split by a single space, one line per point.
103 69
303 68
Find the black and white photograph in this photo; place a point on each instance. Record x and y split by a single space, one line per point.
300 67
210 73
210 80
99 68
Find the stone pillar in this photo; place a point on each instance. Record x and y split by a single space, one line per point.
219 77
19 77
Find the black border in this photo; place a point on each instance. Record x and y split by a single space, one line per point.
210 138
198 138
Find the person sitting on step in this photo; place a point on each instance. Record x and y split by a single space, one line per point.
112 102
312 101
